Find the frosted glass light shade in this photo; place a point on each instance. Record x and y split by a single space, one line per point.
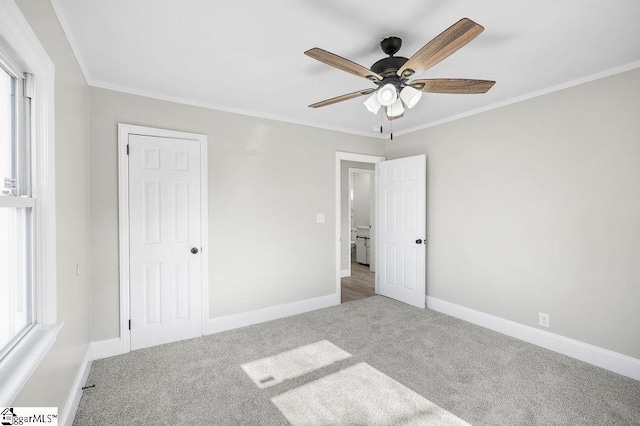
410 96
372 103
395 109
387 94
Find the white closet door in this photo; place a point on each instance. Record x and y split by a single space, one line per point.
164 235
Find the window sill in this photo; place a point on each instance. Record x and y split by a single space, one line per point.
20 363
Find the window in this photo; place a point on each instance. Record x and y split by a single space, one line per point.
28 325
16 225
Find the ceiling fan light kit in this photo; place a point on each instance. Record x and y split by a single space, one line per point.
387 94
372 103
410 96
396 109
391 74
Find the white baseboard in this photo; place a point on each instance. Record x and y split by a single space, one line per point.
107 348
600 357
73 400
112 347
229 322
345 273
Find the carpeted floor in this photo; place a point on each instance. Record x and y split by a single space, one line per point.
480 376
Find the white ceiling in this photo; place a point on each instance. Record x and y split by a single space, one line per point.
247 56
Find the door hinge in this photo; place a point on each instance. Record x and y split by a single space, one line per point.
127 149
28 86
129 324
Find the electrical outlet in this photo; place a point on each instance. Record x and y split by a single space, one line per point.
543 320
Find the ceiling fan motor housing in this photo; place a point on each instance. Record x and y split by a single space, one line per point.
388 67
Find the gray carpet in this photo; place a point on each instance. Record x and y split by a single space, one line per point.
360 395
480 376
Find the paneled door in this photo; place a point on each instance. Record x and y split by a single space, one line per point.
164 238
401 229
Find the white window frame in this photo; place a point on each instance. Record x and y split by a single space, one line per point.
16 368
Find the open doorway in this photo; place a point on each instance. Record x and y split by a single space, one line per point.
359 281
355 236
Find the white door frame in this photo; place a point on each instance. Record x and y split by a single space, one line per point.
124 130
346 156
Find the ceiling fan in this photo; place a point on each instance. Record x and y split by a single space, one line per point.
391 74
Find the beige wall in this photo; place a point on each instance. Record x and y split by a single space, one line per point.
51 383
535 207
267 181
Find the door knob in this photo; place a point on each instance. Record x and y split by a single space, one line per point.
194 250
418 241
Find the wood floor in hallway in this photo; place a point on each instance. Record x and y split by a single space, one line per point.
359 285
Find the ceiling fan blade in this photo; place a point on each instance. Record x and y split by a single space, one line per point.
342 63
342 98
441 47
452 85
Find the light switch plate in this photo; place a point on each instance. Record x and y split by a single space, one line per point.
320 218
